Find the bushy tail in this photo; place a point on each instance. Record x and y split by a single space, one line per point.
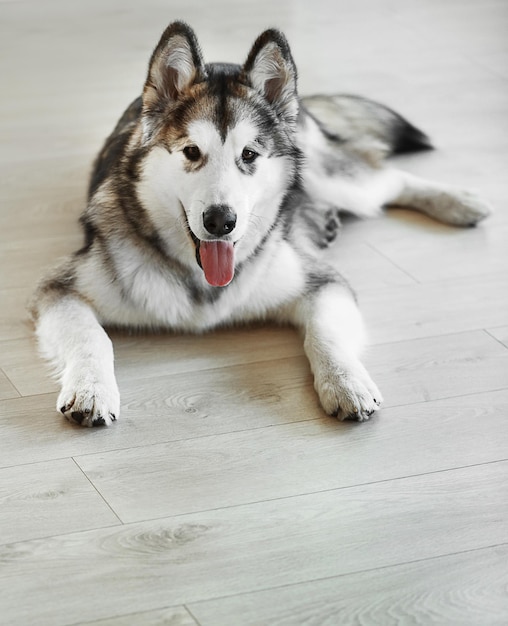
352 118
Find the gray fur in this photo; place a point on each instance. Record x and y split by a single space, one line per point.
140 263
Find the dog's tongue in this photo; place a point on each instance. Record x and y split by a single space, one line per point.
218 262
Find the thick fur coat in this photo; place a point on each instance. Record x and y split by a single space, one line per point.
210 204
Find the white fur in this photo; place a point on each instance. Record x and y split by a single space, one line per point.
156 299
71 336
270 66
146 293
445 203
334 337
72 339
179 58
364 190
173 196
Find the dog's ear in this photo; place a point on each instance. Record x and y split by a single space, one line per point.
176 64
270 69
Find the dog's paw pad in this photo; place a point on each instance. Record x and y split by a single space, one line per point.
91 404
347 395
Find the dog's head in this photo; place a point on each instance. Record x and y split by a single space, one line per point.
221 143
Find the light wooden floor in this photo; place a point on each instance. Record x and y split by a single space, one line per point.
224 496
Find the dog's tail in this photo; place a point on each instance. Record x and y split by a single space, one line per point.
348 118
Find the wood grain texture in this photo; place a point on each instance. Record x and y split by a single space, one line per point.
13 311
170 354
245 548
46 499
406 371
438 367
280 461
166 408
7 389
459 589
21 362
178 616
438 308
455 254
30 256
501 334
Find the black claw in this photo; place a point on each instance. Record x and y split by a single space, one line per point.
78 416
113 417
354 417
100 421
369 413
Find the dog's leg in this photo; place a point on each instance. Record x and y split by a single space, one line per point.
364 195
73 340
445 203
334 336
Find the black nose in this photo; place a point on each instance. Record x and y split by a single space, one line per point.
219 219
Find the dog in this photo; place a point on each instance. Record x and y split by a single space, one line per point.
210 205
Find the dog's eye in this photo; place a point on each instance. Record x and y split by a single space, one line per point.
249 156
193 153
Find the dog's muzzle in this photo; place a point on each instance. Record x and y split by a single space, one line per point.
216 257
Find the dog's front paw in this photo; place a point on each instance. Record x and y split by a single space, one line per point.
348 394
88 401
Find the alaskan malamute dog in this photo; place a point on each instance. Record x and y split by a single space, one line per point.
209 205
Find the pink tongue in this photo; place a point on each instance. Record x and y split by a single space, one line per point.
218 262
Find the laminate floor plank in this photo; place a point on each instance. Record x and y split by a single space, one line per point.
196 557
433 309
49 498
501 334
21 361
140 356
301 457
474 252
363 267
169 354
438 367
13 322
242 397
177 616
466 589
7 389
404 370
429 251
31 256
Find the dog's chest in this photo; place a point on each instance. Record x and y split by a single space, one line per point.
149 295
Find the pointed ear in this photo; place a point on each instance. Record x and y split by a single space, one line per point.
270 70
176 64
